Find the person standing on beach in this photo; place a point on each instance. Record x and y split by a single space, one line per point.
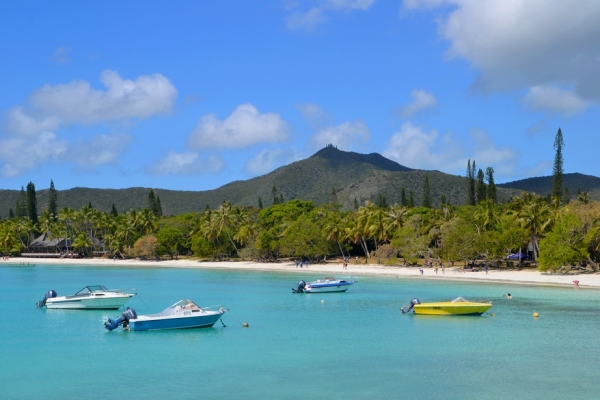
487 269
357 259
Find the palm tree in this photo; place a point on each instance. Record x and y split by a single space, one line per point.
82 242
394 219
333 228
532 212
224 219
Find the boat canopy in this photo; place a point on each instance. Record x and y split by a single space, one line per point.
460 300
92 289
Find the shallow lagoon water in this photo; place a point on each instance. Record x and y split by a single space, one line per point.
352 345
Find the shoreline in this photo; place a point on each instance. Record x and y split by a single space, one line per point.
523 277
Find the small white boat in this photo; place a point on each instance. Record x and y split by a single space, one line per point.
183 314
326 285
95 297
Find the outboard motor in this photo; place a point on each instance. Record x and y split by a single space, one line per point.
123 319
300 288
49 295
413 303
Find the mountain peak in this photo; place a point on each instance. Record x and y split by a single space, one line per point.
338 157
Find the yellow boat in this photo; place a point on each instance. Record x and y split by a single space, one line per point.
458 306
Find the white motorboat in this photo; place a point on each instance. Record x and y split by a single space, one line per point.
183 314
326 285
96 297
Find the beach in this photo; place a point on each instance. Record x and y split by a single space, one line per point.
524 277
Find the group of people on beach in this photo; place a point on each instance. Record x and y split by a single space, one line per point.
300 262
347 261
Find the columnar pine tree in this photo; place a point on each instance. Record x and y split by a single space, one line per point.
274 195
355 204
411 199
491 185
11 214
260 204
280 198
442 200
21 209
567 195
32 203
403 199
426 193
557 171
151 200
481 188
158 207
52 201
471 183
113 211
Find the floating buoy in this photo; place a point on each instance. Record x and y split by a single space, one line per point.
322 301
536 314
245 325
493 315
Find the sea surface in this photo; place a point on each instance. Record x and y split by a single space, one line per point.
354 345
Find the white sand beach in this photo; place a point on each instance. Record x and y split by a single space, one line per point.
528 277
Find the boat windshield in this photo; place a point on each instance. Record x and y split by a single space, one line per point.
185 304
91 289
460 300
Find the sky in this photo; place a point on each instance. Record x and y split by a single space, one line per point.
191 95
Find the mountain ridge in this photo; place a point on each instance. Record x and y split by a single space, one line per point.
352 175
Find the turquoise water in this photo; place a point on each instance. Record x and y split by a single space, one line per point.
354 345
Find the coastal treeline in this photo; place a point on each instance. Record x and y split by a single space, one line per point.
552 232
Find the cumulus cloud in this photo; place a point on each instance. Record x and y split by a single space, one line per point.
29 138
421 100
554 100
315 115
21 154
98 150
77 101
187 163
316 15
245 126
415 147
516 43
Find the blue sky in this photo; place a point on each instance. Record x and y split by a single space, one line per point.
192 95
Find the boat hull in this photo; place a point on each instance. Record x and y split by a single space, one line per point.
329 288
449 308
92 303
147 323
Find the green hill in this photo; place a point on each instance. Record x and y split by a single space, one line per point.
353 175
543 185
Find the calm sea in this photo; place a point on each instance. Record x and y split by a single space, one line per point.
352 345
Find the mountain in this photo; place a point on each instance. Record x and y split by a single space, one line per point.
352 175
543 185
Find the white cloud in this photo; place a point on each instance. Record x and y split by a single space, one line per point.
123 99
414 147
315 115
245 126
345 135
554 100
516 43
62 55
316 15
187 163
99 150
29 131
18 122
21 154
421 100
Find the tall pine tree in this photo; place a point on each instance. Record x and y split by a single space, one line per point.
32 203
492 193
411 199
471 183
52 201
557 171
403 199
21 208
481 188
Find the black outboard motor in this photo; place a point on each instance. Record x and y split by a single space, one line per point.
49 295
300 288
123 319
413 303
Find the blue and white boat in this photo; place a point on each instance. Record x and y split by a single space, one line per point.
183 314
326 285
